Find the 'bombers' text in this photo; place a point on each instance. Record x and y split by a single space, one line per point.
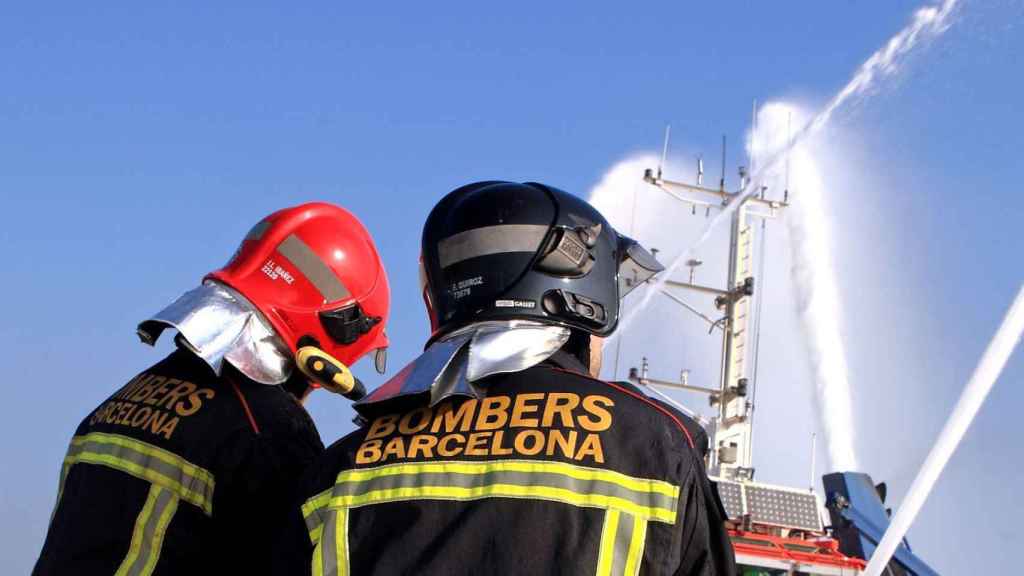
550 424
153 404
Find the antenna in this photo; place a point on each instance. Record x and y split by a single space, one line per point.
664 149
721 182
700 171
753 136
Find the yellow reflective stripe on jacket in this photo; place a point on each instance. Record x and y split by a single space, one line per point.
630 503
557 481
636 547
148 534
187 481
502 491
607 551
622 544
330 557
525 466
313 512
576 485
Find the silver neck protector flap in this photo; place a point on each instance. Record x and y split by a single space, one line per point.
218 324
452 366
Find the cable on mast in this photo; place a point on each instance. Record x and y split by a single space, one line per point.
721 182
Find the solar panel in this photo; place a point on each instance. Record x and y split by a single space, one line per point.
766 504
787 508
732 498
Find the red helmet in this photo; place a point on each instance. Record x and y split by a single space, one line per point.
314 272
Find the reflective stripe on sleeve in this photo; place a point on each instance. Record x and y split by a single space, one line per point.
148 534
314 511
606 555
160 467
622 544
636 547
330 558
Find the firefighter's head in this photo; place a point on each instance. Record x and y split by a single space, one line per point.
314 277
504 251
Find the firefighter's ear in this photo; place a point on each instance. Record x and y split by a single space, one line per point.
328 372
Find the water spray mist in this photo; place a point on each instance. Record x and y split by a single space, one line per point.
815 287
927 23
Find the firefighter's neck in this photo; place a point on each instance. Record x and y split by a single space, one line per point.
596 348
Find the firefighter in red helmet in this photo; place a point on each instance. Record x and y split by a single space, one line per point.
186 468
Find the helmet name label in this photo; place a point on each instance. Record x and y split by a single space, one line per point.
464 288
515 304
274 271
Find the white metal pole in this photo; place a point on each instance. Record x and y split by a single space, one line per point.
985 375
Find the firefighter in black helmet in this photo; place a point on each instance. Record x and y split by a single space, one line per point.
497 451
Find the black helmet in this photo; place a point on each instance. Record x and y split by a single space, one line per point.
503 250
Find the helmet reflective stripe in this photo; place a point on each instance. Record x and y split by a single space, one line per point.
490 240
313 268
257 231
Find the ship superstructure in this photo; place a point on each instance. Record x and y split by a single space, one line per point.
774 529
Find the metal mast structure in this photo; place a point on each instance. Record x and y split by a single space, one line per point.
731 433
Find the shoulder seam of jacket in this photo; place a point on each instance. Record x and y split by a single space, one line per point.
636 395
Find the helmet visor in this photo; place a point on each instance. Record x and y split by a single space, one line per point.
636 265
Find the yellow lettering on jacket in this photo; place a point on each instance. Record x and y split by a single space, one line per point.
421 417
382 427
153 404
493 413
560 404
195 402
369 452
523 407
602 418
553 424
452 418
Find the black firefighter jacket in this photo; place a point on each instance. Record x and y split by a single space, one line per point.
553 472
179 472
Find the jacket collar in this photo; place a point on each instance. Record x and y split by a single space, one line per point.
456 364
219 325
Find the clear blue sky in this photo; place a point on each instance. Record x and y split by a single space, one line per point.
139 142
